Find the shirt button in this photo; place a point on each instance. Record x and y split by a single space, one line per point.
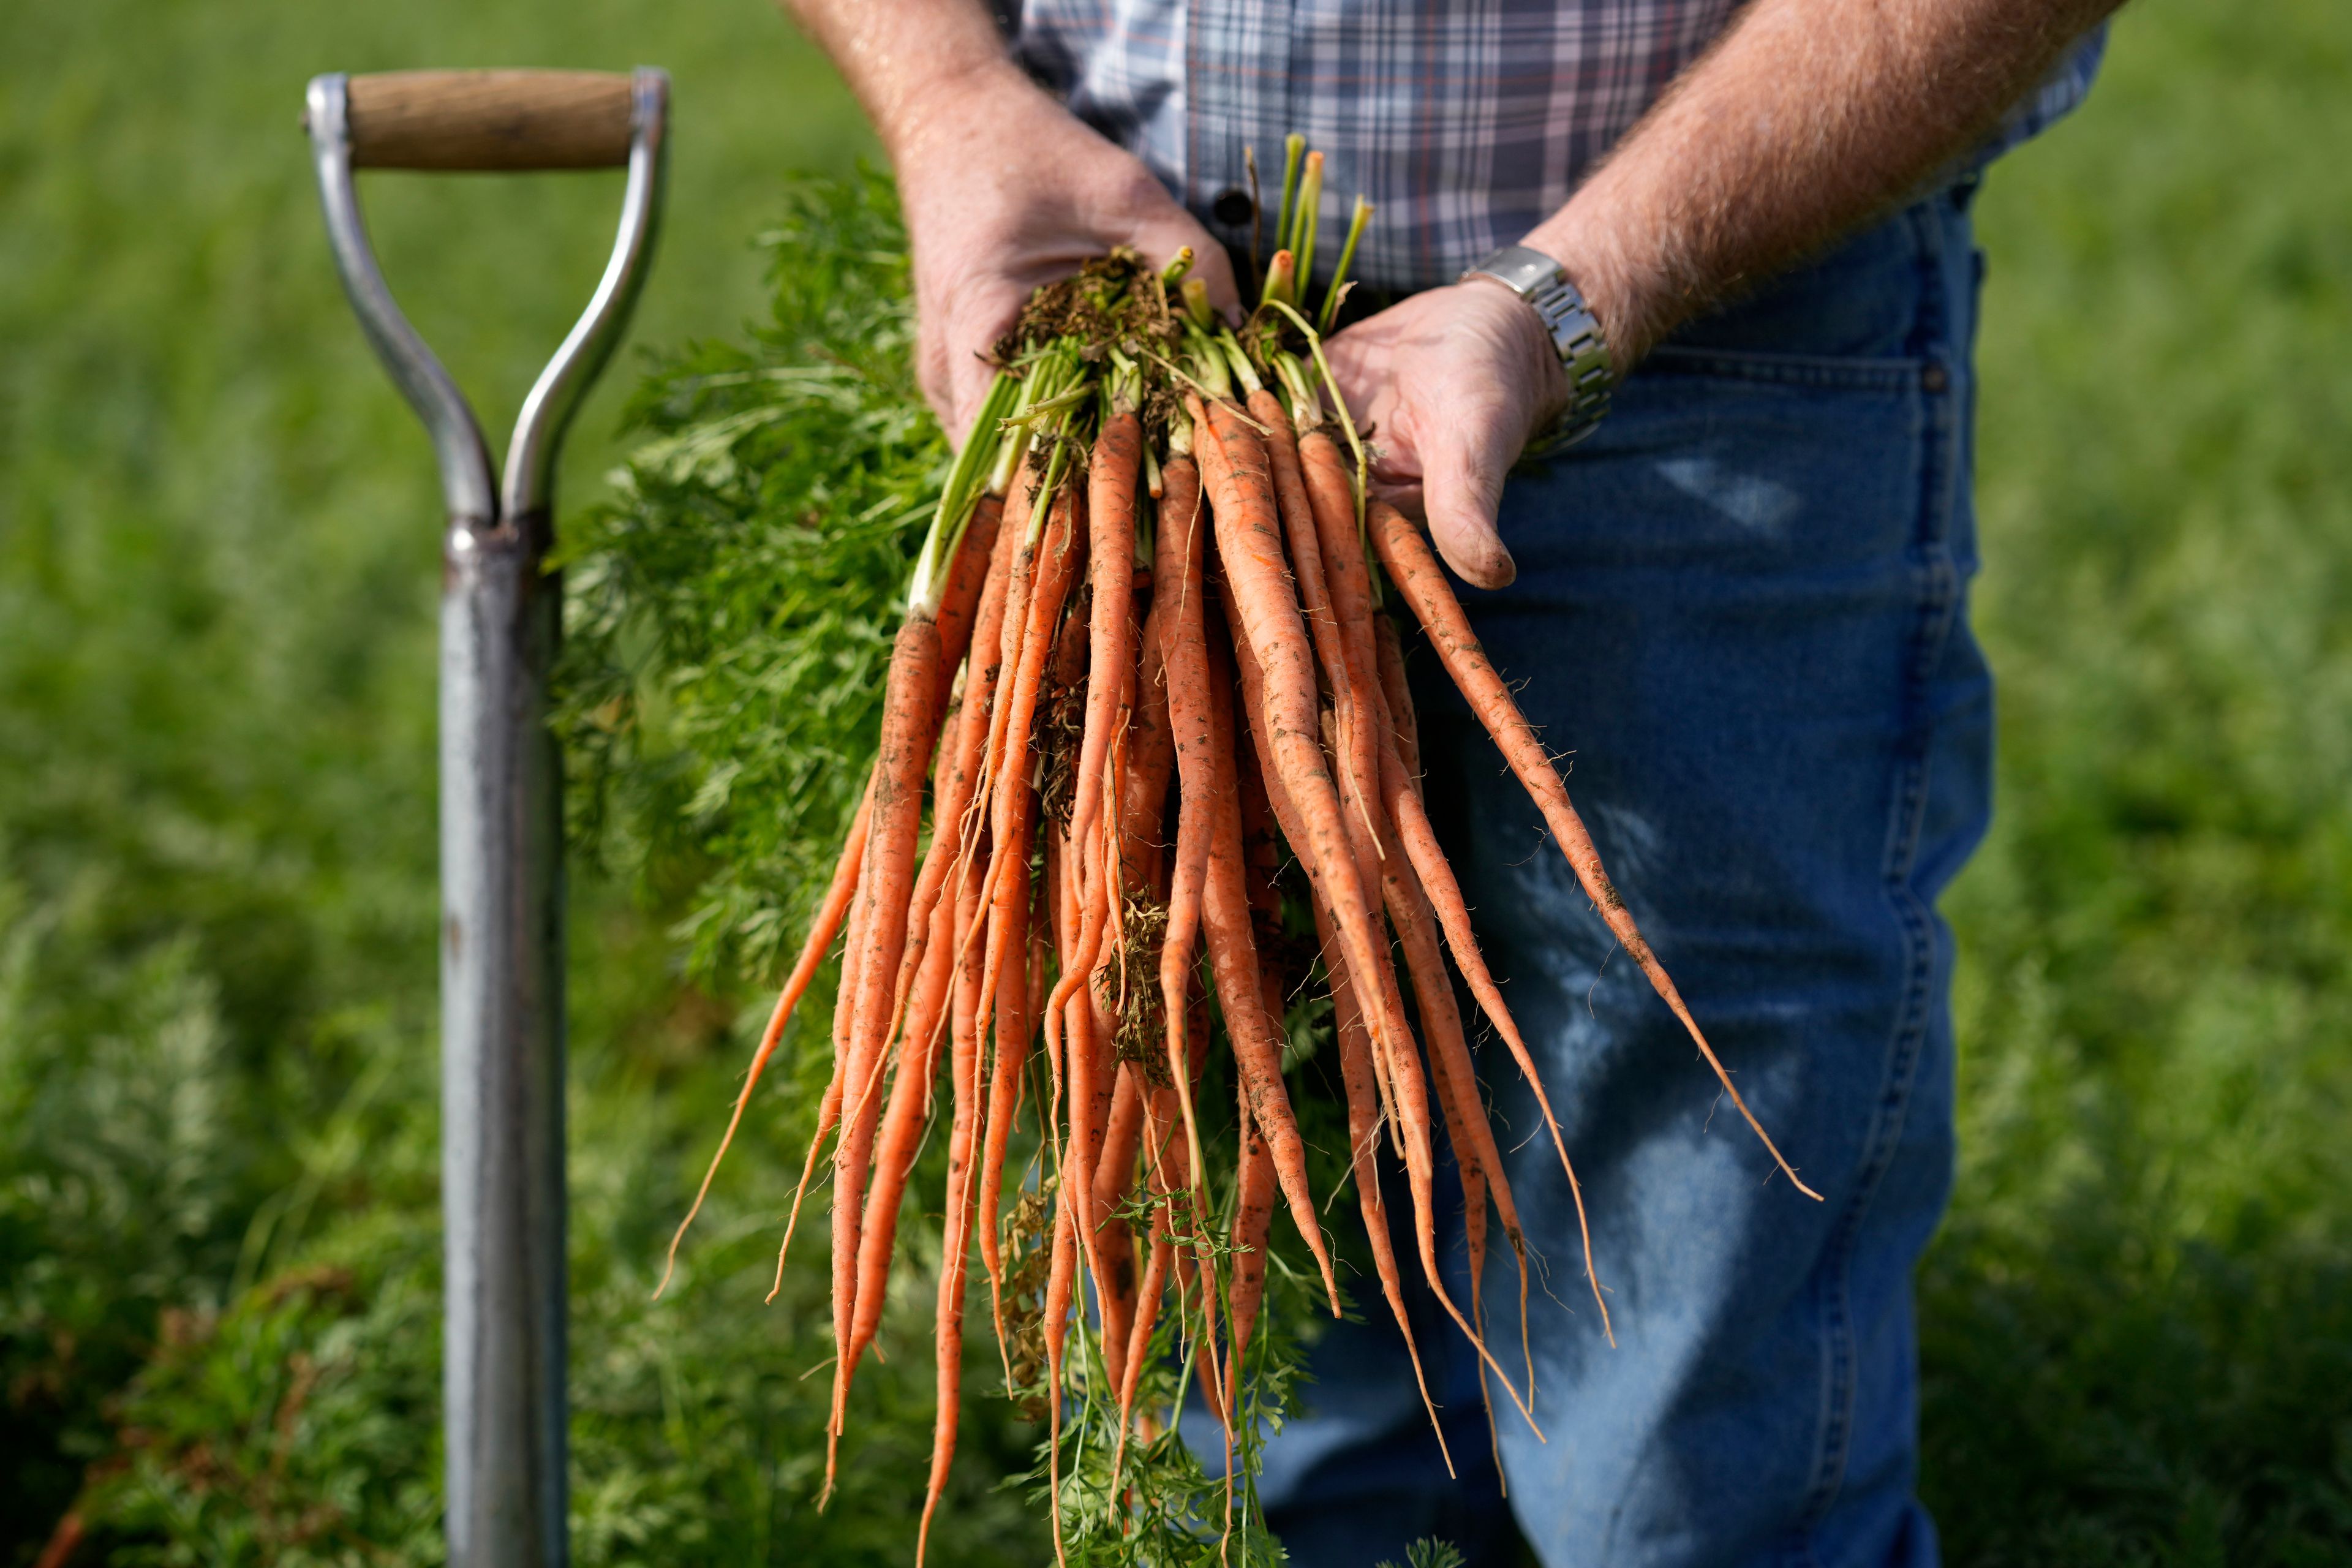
1232 207
1934 378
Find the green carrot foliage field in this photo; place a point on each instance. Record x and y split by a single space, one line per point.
218 1238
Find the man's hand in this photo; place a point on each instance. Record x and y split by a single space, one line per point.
1002 190
1454 383
1001 187
1805 119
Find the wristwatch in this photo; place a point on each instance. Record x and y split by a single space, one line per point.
1583 353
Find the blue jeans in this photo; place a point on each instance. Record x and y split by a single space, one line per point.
1741 610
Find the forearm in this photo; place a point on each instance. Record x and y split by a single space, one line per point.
1807 118
906 60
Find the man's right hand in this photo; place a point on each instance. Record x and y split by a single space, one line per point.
1004 190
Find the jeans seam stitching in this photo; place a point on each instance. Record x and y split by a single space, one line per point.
1905 821
1935 617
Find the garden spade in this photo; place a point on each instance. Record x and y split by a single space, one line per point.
502 1190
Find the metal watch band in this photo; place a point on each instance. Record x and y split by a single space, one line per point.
1583 353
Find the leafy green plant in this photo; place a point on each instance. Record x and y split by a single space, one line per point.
1431 1553
731 612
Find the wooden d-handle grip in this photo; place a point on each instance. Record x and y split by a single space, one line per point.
490 119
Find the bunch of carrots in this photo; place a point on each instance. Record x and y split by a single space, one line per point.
1147 647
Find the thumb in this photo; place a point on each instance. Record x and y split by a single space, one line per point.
1462 491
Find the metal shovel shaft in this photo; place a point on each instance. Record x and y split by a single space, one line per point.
502 1051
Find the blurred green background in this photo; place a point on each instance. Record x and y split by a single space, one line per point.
218 570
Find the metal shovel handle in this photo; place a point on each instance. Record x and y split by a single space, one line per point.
487 120
502 1186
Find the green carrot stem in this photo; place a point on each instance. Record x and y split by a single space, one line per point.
1307 220
1125 385
1292 146
1036 413
1008 459
1307 408
1357 220
1056 462
1209 374
1258 208
1245 371
1196 304
1339 410
1178 264
958 497
1282 278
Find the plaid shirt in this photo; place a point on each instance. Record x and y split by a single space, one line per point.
1465 121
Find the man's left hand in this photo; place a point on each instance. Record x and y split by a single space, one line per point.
1455 382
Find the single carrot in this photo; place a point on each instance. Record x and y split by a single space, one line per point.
1346 583
1412 566
1388 649
1006 975
1472 1139
1330 492
1363 1144
1111 575
1413 1111
1071 1061
1111 475
1467 1127
1114 1174
902 1131
962 756
1473 1177
1012 1028
1253 1224
1013 633
830 913
1160 1253
1253 688
1355 773
1150 758
1104 994
1249 545
955 1226
843 1011
1183 529
928 966
908 728
1195 1258
1232 961
1261 861
1060 1280
958 617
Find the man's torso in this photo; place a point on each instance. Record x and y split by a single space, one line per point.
1466 122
